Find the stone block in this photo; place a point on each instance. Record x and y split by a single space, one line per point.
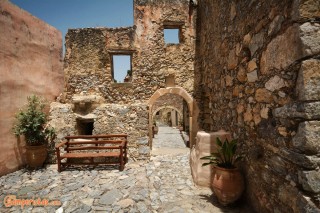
309 9
263 95
308 82
256 42
298 159
282 51
252 76
143 141
309 33
307 137
310 181
275 83
310 111
144 150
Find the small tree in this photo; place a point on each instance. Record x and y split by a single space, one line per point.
32 123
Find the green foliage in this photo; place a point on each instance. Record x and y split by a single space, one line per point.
31 122
225 156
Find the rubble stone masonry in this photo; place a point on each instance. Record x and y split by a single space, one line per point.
91 94
257 76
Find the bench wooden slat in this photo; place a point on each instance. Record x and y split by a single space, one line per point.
96 136
91 148
90 155
95 142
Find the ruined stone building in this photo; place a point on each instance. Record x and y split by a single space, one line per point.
93 102
249 67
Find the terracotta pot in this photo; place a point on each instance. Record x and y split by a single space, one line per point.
36 155
227 184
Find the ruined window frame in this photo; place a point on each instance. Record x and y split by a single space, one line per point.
119 53
174 25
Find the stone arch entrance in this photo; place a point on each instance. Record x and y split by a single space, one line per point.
192 107
180 114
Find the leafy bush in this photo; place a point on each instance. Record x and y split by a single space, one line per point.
32 123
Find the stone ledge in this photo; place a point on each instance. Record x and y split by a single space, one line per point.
309 111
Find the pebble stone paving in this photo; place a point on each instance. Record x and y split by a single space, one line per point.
164 184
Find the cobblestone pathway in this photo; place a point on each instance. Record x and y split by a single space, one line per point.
168 137
163 184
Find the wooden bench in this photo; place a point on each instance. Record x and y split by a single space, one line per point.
111 147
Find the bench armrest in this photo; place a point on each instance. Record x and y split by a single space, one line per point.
61 144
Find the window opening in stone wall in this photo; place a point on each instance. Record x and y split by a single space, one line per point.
171 35
85 127
121 68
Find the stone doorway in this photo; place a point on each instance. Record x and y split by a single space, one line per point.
191 106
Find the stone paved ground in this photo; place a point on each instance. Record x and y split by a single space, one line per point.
163 184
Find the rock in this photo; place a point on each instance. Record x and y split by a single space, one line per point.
275 83
256 42
87 201
309 111
308 87
247 39
144 150
307 137
248 115
298 159
309 9
126 203
264 113
242 74
282 51
229 81
59 210
232 60
309 33
110 197
275 25
252 76
263 95
252 65
310 181
142 207
283 131
233 11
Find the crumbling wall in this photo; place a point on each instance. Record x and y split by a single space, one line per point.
257 76
30 63
88 65
88 54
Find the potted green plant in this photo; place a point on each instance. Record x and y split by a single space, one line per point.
31 122
227 182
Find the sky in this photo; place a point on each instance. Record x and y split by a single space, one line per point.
66 14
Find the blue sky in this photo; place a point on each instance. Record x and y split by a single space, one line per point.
65 14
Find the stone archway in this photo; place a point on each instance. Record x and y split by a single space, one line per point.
180 114
192 107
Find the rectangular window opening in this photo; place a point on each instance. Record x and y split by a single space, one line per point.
121 68
171 35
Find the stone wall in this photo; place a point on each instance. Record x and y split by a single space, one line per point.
89 82
257 76
30 63
88 60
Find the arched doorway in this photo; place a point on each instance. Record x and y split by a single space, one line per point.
192 108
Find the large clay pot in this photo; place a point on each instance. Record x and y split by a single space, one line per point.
36 155
227 184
